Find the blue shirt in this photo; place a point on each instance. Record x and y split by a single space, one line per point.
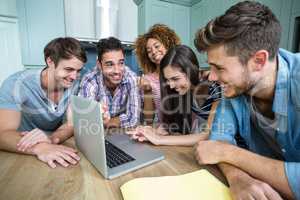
22 92
233 117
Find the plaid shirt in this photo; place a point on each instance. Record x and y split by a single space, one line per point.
126 102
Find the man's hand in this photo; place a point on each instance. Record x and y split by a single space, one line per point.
53 154
210 152
105 112
31 138
244 187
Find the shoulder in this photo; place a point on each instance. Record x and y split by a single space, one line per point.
130 76
292 61
22 79
90 77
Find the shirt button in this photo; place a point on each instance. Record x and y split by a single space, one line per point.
283 150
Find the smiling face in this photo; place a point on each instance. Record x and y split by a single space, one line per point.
65 72
155 50
177 80
112 65
228 72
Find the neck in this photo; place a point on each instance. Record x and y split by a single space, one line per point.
110 86
48 82
264 88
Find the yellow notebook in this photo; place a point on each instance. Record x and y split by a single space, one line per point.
198 185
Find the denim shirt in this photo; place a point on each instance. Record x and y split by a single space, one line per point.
233 116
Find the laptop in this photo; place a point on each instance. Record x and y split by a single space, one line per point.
112 155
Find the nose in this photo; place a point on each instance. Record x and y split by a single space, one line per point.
153 51
117 68
171 84
212 76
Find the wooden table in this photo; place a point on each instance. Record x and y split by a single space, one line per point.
24 177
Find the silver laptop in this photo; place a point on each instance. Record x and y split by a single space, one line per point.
113 155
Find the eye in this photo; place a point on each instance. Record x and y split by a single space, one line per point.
69 69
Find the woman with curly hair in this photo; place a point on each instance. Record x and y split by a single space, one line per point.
151 47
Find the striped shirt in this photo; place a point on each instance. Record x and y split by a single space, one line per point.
155 85
125 103
214 94
201 113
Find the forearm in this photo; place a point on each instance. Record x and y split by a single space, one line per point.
9 140
63 133
182 140
230 172
260 167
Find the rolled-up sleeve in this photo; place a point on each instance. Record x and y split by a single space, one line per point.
224 125
292 171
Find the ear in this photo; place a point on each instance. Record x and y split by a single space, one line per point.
50 62
260 59
98 63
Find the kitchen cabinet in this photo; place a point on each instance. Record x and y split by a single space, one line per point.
173 15
80 18
95 19
8 8
10 56
39 21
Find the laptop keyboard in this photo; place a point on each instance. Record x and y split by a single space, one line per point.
115 156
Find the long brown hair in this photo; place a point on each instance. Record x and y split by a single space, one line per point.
176 109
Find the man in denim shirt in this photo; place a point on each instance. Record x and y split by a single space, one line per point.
262 88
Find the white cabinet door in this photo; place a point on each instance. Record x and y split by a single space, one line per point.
10 53
8 8
79 18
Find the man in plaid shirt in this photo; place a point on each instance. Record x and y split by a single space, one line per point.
114 85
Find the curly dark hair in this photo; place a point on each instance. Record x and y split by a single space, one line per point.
160 32
244 29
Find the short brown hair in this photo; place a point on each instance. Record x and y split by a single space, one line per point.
244 29
64 48
160 32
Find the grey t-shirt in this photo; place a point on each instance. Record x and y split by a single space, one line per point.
264 131
22 92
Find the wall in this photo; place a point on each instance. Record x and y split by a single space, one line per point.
128 20
10 51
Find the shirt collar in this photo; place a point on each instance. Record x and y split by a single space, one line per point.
280 102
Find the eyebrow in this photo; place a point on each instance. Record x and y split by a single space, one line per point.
215 65
111 62
174 77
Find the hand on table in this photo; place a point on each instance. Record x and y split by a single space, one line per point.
31 138
53 154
